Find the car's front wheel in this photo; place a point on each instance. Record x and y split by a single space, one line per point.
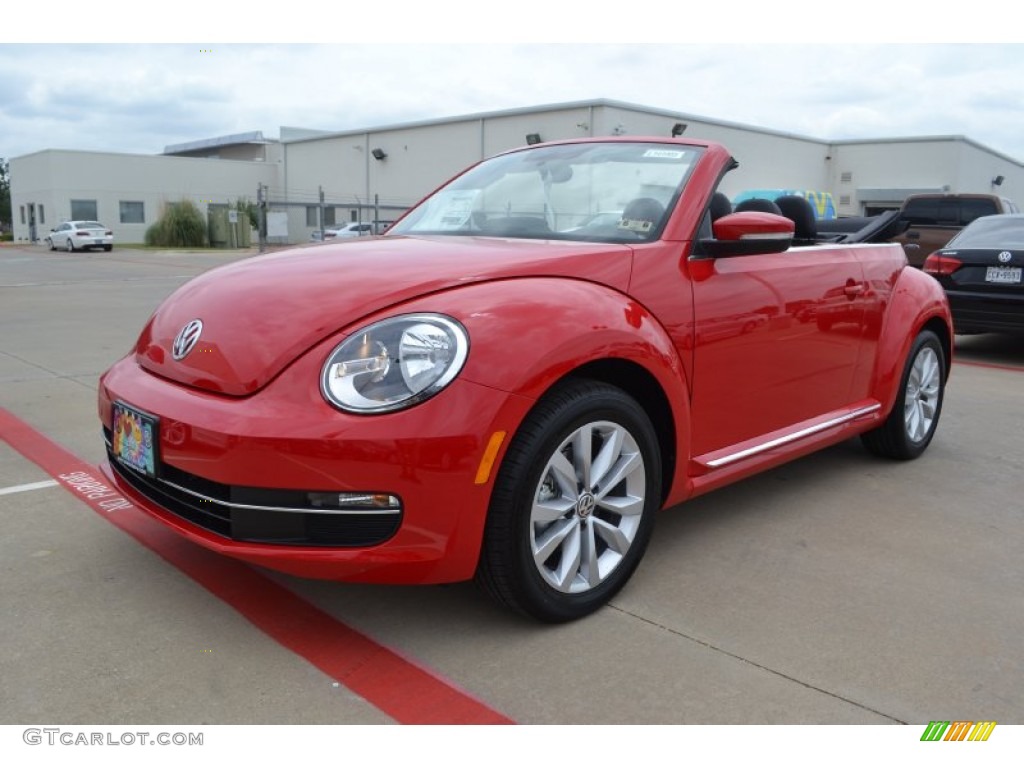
911 424
69 245
574 503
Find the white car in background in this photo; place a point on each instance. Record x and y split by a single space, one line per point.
80 235
351 229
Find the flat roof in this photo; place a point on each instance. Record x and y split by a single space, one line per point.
249 137
298 135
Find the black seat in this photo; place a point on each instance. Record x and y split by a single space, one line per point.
798 210
760 204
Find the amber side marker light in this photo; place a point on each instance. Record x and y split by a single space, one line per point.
483 472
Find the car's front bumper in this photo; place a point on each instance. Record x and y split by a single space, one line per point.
233 474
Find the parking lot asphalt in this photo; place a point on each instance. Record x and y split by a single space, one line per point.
835 589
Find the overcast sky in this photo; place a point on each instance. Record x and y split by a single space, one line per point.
126 97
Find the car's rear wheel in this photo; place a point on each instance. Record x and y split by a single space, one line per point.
108 247
911 424
573 504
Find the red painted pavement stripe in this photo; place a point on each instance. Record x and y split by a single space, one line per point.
997 366
398 687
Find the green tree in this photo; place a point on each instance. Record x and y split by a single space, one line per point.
5 194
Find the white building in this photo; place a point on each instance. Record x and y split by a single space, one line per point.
375 174
125 192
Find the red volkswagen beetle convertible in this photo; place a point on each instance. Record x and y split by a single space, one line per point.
507 387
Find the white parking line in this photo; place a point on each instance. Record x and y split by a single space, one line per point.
28 487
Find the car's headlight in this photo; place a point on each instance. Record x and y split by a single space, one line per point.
395 363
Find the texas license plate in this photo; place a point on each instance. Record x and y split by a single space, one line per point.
98 241
1002 275
135 438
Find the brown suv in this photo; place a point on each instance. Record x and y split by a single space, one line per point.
932 220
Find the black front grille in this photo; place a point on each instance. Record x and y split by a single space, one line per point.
244 513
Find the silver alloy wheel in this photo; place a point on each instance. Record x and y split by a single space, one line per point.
588 507
69 246
921 398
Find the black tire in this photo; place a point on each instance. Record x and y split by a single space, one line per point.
69 246
578 511
911 424
108 247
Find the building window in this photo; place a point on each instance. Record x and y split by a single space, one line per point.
22 208
42 214
83 210
329 219
311 217
132 212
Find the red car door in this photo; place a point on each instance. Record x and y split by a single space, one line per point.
776 342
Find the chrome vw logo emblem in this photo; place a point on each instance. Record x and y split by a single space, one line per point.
186 339
585 505
1004 257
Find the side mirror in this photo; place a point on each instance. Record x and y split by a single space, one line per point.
747 233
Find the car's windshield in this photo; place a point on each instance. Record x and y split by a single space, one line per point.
991 232
601 191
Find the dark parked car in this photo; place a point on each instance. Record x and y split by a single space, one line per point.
981 270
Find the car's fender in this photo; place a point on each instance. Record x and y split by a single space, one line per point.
917 301
527 334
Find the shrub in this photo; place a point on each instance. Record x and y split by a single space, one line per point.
181 225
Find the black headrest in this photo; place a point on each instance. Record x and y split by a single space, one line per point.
720 206
758 204
644 208
801 213
642 216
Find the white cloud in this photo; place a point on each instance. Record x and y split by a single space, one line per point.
139 98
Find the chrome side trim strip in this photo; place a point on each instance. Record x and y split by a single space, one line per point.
807 432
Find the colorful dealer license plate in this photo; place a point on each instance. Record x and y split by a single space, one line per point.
1002 275
134 440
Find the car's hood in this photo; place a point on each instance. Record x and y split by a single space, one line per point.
260 314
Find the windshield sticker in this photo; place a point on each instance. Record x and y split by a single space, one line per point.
665 154
449 210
